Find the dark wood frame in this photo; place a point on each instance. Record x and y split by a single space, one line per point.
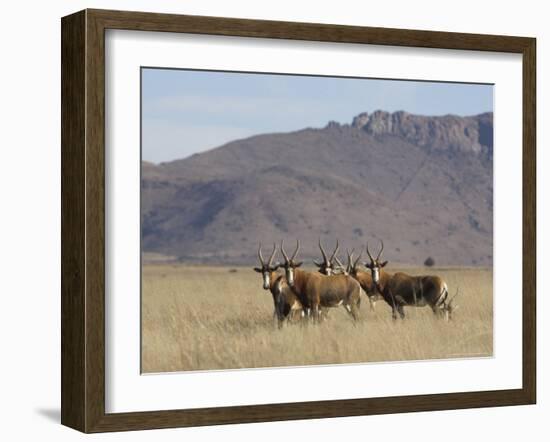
83 216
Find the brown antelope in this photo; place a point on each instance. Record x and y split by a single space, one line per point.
400 289
363 278
315 290
327 266
286 303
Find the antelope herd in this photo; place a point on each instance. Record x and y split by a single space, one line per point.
299 293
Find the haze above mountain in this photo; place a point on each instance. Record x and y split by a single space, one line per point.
422 184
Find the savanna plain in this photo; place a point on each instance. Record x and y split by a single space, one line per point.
204 318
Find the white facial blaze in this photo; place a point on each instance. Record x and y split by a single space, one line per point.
266 280
376 274
290 276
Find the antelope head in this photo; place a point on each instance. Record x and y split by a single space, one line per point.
268 268
375 265
351 267
352 270
327 266
290 264
340 268
447 308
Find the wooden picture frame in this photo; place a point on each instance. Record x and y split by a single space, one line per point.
83 220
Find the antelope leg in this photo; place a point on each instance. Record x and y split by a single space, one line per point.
315 313
401 311
353 311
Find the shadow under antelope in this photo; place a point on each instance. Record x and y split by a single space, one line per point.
400 289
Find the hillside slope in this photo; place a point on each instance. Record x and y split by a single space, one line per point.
423 184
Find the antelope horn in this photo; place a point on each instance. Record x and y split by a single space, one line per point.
283 251
339 263
335 251
350 258
297 249
260 254
453 298
350 255
323 251
381 249
368 252
272 255
358 258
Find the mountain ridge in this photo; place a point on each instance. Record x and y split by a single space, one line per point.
423 184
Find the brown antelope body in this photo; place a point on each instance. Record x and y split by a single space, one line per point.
316 291
400 289
286 304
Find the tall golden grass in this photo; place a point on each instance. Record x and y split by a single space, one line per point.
202 318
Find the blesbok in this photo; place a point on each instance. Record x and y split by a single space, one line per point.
286 303
364 278
400 289
326 267
316 291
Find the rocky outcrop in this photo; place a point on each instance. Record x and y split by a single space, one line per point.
449 132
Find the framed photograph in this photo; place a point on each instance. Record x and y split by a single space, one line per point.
269 220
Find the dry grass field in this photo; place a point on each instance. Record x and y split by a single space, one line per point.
202 318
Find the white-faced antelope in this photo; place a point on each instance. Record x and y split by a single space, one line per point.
400 289
286 304
326 267
315 290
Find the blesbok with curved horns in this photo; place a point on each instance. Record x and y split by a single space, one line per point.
364 278
400 289
286 303
327 267
316 291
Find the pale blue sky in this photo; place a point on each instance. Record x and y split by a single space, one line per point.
185 112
